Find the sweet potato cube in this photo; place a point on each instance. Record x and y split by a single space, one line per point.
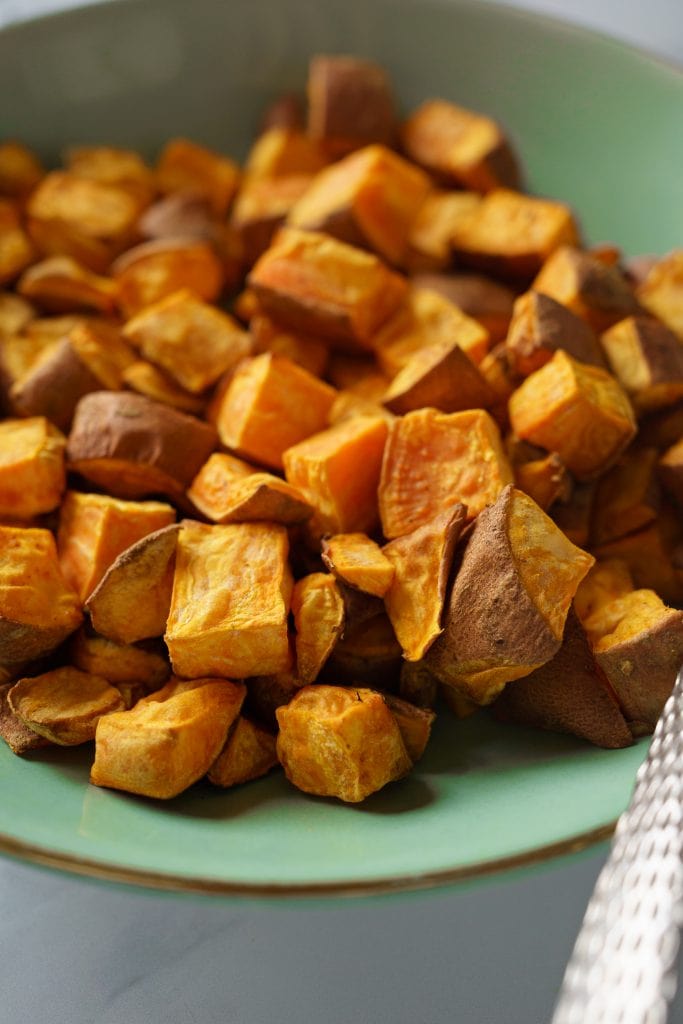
509 601
544 480
439 376
53 384
368 653
154 270
340 742
426 318
248 754
18 737
102 348
311 354
434 460
20 170
640 650
347 405
460 147
649 556
431 230
627 498
350 103
487 301
662 291
318 610
422 564
64 705
369 198
132 600
415 724
540 326
338 472
598 293
15 314
95 528
567 694
231 597
186 166
112 166
132 446
283 152
61 285
32 477
89 220
145 665
270 405
316 284
647 360
16 250
602 584
513 234
358 561
227 490
261 207
169 740
38 609
148 380
179 215
576 410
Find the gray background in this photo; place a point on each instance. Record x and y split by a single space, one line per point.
74 952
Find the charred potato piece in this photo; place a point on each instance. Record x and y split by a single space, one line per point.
248 754
32 477
64 705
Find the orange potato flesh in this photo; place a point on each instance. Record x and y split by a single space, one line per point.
316 284
179 215
132 600
15 313
64 705
459 146
261 207
662 291
485 300
347 405
227 490
194 342
150 381
598 293
154 270
309 353
169 740
112 166
627 497
544 480
358 561
283 152
439 376
540 326
350 103
32 476
647 360
338 742
185 166
649 557
248 754
271 404
318 610
603 583
144 665
429 236
101 347
433 460
576 410
59 284
338 472
369 198
20 170
231 597
422 563
426 318
415 724
18 737
16 250
95 528
38 609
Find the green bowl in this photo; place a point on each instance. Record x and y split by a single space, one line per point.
597 124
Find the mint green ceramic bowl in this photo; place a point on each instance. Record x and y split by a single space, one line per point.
598 125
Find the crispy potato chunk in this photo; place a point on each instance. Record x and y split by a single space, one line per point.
426 318
60 285
576 410
512 234
316 284
647 360
144 665
439 376
545 480
627 497
185 166
89 220
132 600
169 740
309 353
32 477
18 737
64 705
133 447
415 724
95 528
540 326
460 147
649 556
431 230
194 342
38 609
271 404
53 384
318 610
339 742
350 103
567 694
422 563
154 270
112 166
179 215
598 293
150 381
338 471
248 754
283 151
20 170
15 314
368 652
261 207
369 198
16 250
662 291
604 582
433 460
487 301
227 490
359 562
231 597
509 600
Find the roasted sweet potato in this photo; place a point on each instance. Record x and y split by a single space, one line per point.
539 327
179 215
574 514
318 610
20 170
283 152
359 562
265 694
649 556
439 376
227 490
143 665
340 742
112 166
415 724
647 360
545 479
16 249
186 166
248 754
32 477
431 230
18 737
64 705
485 300
262 206
148 380
603 583
154 270
418 685
662 291
368 653
15 313
350 103
311 354
627 497
598 293
60 285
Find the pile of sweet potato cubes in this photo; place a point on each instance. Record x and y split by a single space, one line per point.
292 451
